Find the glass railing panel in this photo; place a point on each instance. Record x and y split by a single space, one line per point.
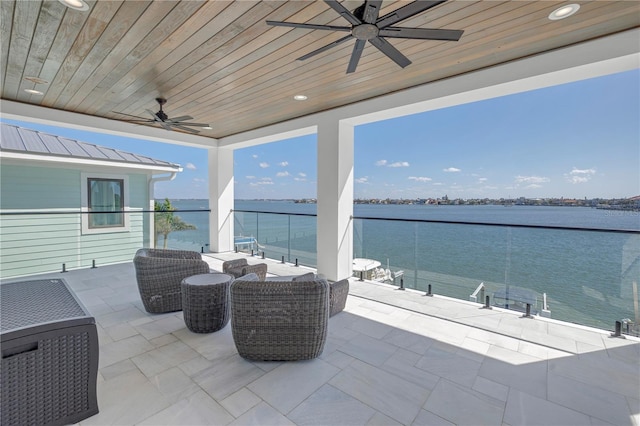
304 237
37 242
589 277
279 236
273 235
187 230
245 229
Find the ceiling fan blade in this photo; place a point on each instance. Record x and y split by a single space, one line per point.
421 33
181 118
327 47
308 26
166 126
355 55
186 129
406 12
153 114
393 53
138 121
371 11
134 116
343 11
182 123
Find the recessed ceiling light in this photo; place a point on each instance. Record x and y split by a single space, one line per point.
300 97
207 128
36 80
75 4
564 12
33 92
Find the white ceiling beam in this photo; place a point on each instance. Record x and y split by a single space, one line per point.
53 117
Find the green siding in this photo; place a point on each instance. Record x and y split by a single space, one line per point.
25 187
39 243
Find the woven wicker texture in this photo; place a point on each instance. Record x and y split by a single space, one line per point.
279 320
50 357
240 267
159 274
46 301
53 384
206 306
338 293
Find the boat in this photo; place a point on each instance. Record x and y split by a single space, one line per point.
370 270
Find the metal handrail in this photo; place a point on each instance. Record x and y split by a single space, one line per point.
454 222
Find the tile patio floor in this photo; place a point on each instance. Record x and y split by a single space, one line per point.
424 361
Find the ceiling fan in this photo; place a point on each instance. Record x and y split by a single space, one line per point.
161 118
367 26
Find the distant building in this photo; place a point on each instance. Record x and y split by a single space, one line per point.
49 187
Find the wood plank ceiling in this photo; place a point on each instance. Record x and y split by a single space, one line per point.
219 62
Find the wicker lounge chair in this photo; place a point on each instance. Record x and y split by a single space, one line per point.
159 273
338 291
240 267
279 320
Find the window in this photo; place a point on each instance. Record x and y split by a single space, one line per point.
105 203
104 196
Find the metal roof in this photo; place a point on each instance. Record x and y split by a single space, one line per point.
22 140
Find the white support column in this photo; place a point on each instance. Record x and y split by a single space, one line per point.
335 199
221 199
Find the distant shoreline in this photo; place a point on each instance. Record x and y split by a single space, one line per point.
617 204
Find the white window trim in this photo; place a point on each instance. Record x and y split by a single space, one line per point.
84 200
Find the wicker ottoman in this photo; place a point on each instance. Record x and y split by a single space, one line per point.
49 355
205 302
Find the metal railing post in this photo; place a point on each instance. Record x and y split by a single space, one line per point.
487 305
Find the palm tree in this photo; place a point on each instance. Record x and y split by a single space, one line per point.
166 222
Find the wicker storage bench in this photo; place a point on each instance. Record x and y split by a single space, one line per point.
49 355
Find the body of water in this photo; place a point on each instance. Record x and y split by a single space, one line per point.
587 276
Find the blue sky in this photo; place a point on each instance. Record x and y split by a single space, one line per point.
574 141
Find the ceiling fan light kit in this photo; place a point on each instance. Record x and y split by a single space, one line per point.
366 25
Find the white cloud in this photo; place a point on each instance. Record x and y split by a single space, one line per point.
250 177
533 186
438 184
396 164
583 171
255 156
198 180
482 180
300 179
283 164
576 176
451 170
264 165
362 180
282 174
190 166
262 181
578 179
302 174
532 179
420 178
